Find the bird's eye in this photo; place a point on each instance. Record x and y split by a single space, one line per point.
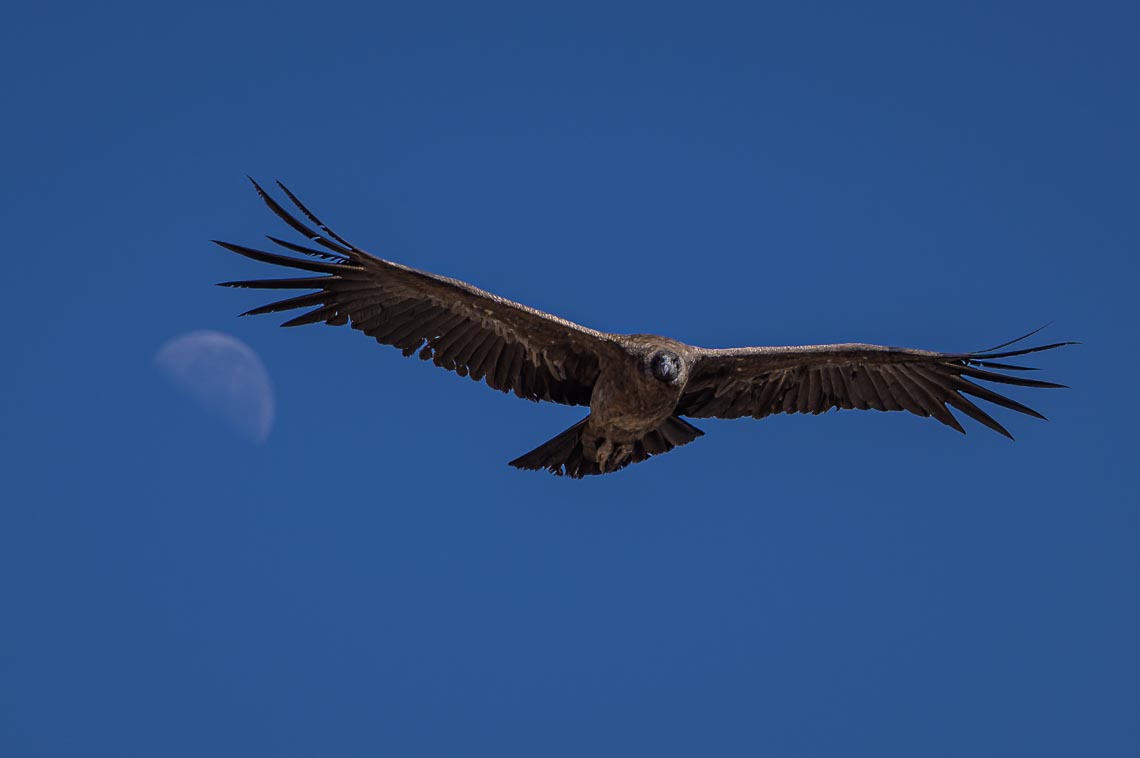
665 366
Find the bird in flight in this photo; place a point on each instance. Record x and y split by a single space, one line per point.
639 387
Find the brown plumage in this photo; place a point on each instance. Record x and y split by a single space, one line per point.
637 386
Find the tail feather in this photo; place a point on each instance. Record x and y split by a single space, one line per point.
564 454
553 453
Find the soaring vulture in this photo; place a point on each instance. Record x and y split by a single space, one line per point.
637 386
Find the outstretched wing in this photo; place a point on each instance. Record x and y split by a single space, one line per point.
760 381
511 347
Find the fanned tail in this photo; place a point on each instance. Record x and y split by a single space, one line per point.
565 455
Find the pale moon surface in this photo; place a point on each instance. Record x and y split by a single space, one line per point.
225 377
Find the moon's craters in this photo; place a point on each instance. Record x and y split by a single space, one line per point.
225 377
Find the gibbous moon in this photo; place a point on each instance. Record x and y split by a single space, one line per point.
225 377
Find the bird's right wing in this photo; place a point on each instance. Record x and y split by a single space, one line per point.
759 381
511 347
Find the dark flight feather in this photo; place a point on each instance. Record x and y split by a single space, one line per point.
459 327
760 381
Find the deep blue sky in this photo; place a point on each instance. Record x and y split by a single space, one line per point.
374 580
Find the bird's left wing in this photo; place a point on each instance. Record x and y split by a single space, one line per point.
760 381
511 347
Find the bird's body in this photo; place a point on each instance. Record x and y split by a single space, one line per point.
628 403
627 399
637 386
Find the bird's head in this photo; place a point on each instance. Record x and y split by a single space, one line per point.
666 366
